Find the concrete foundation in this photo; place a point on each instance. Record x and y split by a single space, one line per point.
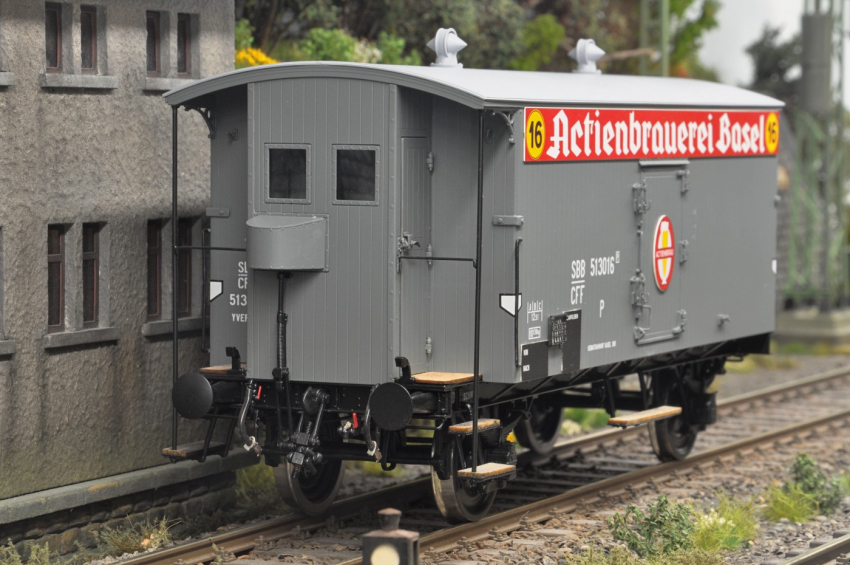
813 326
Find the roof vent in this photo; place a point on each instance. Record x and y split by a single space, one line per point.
447 45
586 53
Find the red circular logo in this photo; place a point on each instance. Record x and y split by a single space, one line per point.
663 253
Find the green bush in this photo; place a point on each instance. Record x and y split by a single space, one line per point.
813 481
844 481
727 527
662 529
620 555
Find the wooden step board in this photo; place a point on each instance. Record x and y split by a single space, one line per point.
218 369
465 428
651 415
488 471
436 378
194 450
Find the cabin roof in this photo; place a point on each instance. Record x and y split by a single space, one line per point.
485 88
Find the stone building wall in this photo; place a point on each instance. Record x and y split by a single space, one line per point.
75 148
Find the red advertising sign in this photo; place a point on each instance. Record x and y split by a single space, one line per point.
590 134
663 253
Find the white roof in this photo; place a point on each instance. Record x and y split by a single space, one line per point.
484 88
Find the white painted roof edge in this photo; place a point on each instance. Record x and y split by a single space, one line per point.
485 88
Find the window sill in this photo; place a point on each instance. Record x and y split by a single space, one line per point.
7 79
62 80
7 347
160 84
80 337
164 327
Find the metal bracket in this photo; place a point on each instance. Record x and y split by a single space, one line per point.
207 112
683 253
644 338
683 175
429 160
640 204
509 121
639 297
508 220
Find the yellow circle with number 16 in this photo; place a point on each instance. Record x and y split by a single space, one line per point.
771 133
535 133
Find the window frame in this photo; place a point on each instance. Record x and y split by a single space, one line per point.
93 255
184 20
156 17
57 8
184 260
156 252
92 12
57 258
267 174
365 147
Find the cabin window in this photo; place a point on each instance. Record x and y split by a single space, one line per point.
53 36
288 173
355 170
184 44
56 277
154 269
184 267
91 260
152 44
88 39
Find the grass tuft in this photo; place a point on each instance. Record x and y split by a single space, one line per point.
752 362
255 483
727 527
844 482
791 502
587 418
9 555
142 536
620 555
40 554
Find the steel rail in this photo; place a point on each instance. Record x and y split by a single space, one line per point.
823 553
540 510
244 539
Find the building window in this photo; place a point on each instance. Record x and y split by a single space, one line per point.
184 44
288 173
88 39
355 169
152 46
91 264
184 267
154 270
55 278
53 36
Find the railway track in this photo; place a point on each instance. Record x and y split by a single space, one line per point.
576 472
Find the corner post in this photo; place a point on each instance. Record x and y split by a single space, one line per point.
476 365
174 355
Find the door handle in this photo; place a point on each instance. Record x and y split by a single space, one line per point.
405 243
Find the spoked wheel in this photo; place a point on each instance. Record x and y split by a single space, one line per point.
540 432
457 501
673 438
311 494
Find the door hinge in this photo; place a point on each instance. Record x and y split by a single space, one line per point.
429 346
430 161
639 297
640 204
683 175
683 254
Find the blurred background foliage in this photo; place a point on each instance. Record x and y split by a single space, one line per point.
502 34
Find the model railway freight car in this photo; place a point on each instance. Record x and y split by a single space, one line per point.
381 235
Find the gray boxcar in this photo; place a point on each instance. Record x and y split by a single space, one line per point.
380 234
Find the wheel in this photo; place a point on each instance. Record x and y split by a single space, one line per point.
540 432
457 502
312 495
673 438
